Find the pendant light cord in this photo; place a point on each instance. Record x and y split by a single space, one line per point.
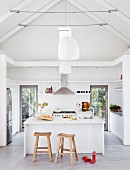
65 11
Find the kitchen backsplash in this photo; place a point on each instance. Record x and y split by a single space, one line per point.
65 102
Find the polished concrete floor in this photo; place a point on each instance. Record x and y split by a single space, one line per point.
117 157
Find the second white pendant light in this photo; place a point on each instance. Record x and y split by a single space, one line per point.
65 67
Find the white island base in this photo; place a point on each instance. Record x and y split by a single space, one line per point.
89 133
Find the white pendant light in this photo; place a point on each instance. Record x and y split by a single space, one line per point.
68 49
65 67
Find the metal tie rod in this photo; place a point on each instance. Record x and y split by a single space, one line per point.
68 25
62 12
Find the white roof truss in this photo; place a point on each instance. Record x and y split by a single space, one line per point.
99 20
29 19
18 7
75 3
56 63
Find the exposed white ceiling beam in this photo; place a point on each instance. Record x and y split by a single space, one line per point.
10 61
127 52
18 7
118 13
56 63
1 52
30 19
37 63
117 61
99 20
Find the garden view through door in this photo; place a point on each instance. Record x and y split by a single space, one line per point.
29 101
99 101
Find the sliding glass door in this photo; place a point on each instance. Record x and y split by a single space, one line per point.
29 101
99 100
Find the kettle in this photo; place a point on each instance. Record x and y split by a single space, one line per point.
57 110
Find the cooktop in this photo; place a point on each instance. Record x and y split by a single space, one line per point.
65 112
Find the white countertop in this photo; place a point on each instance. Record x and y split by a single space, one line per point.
50 112
35 120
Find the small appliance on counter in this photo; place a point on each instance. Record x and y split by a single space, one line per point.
58 110
85 106
88 114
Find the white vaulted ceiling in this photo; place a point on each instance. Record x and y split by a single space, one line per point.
36 43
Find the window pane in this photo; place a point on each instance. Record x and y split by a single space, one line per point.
28 101
99 101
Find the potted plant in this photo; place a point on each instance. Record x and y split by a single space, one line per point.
114 108
42 106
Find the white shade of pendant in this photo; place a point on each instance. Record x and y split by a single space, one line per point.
68 49
65 67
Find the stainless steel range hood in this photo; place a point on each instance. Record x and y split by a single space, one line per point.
64 90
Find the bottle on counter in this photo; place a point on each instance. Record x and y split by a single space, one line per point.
77 106
51 90
47 90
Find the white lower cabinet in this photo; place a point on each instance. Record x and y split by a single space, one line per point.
116 125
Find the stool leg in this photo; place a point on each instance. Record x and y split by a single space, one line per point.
75 150
58 148
62 146
35 148
71 152
49 148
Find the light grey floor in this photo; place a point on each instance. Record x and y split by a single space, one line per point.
117 157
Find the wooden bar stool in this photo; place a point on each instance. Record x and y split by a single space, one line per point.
61 149
42 149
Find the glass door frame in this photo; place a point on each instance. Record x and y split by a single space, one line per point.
27 86
106 102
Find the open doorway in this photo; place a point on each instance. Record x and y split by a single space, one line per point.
99 100
28 102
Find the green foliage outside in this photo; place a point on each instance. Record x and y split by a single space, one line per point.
28 102
98 101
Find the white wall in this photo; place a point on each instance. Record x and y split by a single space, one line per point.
69 101
27 75
81 73
114 94
3 115
92 76
65 102
33 74
93 73
126 98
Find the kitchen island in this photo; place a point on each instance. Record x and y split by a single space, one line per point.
89 133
